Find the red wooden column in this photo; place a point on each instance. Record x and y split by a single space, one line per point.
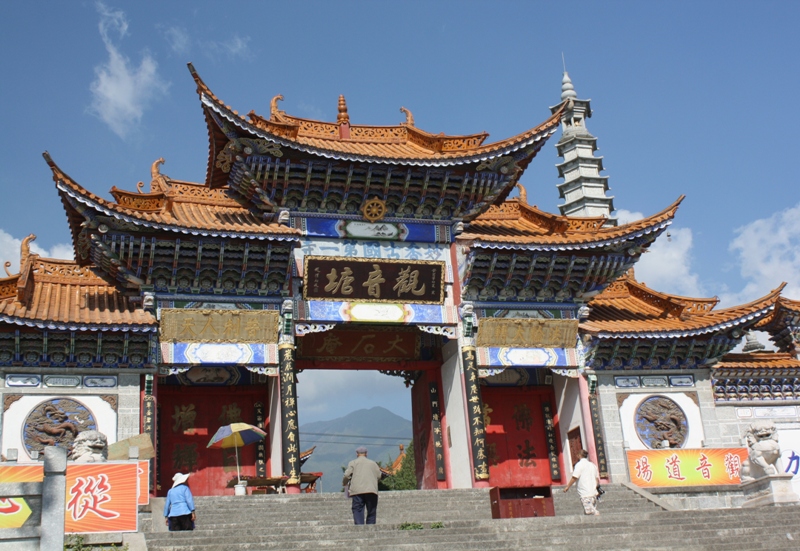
586 416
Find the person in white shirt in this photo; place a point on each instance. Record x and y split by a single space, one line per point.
588 478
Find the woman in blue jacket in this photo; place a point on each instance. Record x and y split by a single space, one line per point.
179 507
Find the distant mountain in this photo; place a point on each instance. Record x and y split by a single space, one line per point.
377 429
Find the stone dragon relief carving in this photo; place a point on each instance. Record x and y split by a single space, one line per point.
56 422
661 423
764 451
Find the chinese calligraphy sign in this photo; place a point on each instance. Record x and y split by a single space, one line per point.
373 280
686 467
219 326
528 333
389 344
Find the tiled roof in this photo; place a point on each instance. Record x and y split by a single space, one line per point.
402 143
758 360
59 294
181 207
515 223
630 309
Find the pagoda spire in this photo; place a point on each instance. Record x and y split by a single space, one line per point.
583 189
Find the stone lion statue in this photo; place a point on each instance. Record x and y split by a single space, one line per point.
762 440
90 446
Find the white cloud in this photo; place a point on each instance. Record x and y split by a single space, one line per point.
327 394
768 252
120 91
236 46
667 266
10 251
178 39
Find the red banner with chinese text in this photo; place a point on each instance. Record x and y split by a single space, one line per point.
676 467
102 497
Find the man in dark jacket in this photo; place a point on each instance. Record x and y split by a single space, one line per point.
363 475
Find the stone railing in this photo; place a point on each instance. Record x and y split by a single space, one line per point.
43 529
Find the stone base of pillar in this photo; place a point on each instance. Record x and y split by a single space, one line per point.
293 488
769 491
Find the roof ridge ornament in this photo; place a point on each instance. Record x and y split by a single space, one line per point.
409 116
523 194
25 250
343 117
158 181
275 113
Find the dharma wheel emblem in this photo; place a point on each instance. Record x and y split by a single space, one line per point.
374 209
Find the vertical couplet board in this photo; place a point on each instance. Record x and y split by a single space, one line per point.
190 416
516 436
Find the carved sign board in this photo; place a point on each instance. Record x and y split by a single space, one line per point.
373 280
527 333
382 344
219 326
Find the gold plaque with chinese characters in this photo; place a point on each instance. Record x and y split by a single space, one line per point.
219 326
373 280
527 333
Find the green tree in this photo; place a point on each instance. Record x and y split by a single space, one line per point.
406 476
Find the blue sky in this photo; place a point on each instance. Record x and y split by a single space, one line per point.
691 98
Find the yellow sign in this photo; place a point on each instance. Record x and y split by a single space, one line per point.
219 326
682 467
527 333
14 511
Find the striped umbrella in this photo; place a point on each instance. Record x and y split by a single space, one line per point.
236 435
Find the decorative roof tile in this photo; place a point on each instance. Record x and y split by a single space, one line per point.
59 294
514 223
758 360
182 207
402 143
629 309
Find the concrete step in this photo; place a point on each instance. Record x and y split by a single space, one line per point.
323 521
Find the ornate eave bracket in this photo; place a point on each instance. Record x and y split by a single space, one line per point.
302 329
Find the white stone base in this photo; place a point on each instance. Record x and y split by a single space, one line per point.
774 490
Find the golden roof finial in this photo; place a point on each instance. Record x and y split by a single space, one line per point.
342 117
523 195
409 116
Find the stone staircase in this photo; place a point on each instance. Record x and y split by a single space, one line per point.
461 520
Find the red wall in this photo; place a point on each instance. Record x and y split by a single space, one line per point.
515 436
184 449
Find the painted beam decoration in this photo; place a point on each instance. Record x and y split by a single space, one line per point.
527 333
218 326
686 467
383 344
477 429
373 280
436 421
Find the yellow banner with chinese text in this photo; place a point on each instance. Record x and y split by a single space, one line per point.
694 467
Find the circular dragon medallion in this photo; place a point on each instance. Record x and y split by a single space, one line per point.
56 423
374 209
660 419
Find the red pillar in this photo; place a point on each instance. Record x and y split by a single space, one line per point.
586 415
